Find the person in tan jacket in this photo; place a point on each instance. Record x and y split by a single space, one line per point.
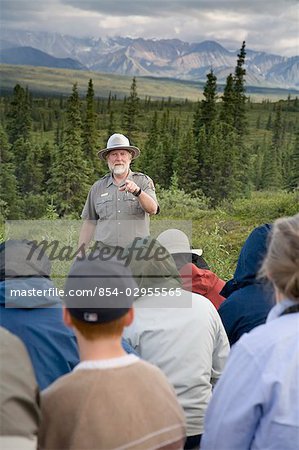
111 400
19 396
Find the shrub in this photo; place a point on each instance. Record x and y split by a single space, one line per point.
176 203
265 206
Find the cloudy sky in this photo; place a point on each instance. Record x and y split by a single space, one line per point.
268 25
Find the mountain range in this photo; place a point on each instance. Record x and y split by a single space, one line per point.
171 58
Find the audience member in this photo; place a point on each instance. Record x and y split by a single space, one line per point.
255 405
249 299
194 271
19 396
36 320
178 331
111 400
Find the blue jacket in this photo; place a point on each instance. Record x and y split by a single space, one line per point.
38 322
248 300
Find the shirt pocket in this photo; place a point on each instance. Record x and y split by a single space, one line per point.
132 206
104 207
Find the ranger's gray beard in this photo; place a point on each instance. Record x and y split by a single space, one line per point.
119 169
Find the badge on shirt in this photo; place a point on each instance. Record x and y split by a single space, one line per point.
105 194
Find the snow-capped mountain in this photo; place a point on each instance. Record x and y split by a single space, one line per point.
150 57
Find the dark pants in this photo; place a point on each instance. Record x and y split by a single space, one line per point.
192 442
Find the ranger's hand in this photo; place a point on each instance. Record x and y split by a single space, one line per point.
129 186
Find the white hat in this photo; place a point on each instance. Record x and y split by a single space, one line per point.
117 142
175 241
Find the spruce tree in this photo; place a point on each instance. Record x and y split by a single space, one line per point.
111 125
209 163
257 161
240 120
46 160
153 160
176 136
30 178
131 110
89 131
208 104
59 132
294 175
19 116
70 174
166 150
258 122
278 134
186 164
230 185
218 163
228 102
28 167
269 122
157 158
274 180
9 198
109 102
147 156
197 123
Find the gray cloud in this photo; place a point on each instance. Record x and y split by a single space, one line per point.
158 7
21 9
269 25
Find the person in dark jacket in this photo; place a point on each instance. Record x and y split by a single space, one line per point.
36 320
248 299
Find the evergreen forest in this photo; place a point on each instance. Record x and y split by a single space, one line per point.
205 156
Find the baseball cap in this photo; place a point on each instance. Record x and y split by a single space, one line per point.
98 291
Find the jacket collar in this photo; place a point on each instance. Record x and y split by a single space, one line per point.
278 309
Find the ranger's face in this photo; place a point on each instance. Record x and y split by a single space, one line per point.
119 161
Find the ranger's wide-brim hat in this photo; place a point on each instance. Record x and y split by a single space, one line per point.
118 142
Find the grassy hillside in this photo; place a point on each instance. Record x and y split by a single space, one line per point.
221 232
59 81
44 80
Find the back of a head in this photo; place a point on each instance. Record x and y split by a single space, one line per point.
252 253
151 264
98 292
281 264
21 258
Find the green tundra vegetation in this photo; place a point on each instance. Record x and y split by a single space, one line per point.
224 162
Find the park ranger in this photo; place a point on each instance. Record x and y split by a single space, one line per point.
118 205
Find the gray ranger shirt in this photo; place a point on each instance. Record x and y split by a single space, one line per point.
120 218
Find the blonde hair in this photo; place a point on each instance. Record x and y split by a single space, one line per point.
92 332
281 264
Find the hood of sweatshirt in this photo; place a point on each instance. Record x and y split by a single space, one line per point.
250 260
